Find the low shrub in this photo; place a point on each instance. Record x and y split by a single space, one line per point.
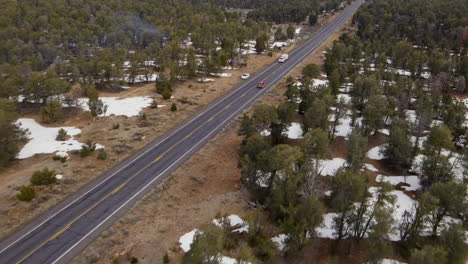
26 193
43 177
142 116
173 107
61 135
59 158
116 126
102 155
154 104
166 94
87 148
184 100
166 259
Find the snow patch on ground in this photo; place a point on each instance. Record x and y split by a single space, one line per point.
294 131
421 141
390 261
131 106
325 230
345 128
186 240
330 167
385 131
223 74
375 153
345 97
370 167
413 181
280 241
62 154
279 44
318 82
42 139
411 116
228 260
234 221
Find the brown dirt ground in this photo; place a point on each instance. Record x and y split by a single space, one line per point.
207 184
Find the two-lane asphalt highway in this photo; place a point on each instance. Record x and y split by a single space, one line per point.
66 229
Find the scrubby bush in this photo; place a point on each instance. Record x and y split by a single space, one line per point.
154 104
166 94
60 158
52 112
142 116
184 100
43 177
166 259
26 193
173 107
102 155
88 148
61 135
116 126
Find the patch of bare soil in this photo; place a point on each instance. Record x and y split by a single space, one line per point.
207 184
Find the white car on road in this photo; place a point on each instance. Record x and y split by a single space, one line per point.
245 76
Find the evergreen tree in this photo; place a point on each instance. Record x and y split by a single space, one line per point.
311 70
449 198
453 241
398 151
356 150
260 43
96 105
429 255
206 247
11 136
52 112
290 32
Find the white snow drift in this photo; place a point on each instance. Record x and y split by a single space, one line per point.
131 106
42 139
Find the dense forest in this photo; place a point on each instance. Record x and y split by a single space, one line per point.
400 81
295 11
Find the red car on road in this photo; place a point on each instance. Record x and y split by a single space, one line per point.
261 84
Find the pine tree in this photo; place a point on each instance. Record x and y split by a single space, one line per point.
356 150
11 136
398 152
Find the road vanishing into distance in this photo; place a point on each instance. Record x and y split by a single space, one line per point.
66 229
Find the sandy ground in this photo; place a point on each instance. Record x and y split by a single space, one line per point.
207 184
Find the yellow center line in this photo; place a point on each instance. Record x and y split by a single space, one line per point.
67 226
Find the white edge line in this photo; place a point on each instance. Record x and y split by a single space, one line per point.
175 162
